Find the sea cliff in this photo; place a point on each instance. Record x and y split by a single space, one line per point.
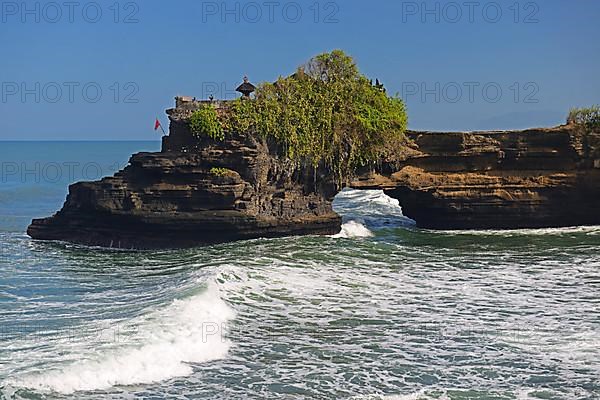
535 178
194 192
199 191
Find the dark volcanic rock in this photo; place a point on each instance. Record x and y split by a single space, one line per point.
519 179
196 192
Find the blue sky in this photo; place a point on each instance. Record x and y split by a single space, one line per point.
459 65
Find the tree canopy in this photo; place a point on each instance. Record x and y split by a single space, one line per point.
326 112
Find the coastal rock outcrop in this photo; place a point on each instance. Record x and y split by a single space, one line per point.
535 178
201 191
194 192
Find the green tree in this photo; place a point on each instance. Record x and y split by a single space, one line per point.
327 112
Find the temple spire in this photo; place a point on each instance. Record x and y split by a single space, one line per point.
246 88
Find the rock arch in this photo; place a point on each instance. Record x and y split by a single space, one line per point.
197 192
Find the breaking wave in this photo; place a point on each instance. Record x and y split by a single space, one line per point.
354 229
164 345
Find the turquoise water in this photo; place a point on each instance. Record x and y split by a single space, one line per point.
381 311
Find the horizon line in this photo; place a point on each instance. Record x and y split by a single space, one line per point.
76 140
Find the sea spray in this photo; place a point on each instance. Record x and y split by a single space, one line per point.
354 229
420 395
411 311
191 330
372 208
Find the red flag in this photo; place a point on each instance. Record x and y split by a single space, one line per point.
157 124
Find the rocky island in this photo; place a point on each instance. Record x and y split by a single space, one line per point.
220 178
200 192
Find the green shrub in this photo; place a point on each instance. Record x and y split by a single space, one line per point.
220 171
326 112
205 122
588 117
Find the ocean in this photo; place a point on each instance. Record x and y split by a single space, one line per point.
383 310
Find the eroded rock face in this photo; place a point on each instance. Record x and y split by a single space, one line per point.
196 192
520 179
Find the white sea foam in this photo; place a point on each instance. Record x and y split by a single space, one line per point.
588 230
353 229
372 208
368 202
186 331
411 396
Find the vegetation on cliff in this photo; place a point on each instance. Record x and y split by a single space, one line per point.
588 117
325 113
205 121
220 172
